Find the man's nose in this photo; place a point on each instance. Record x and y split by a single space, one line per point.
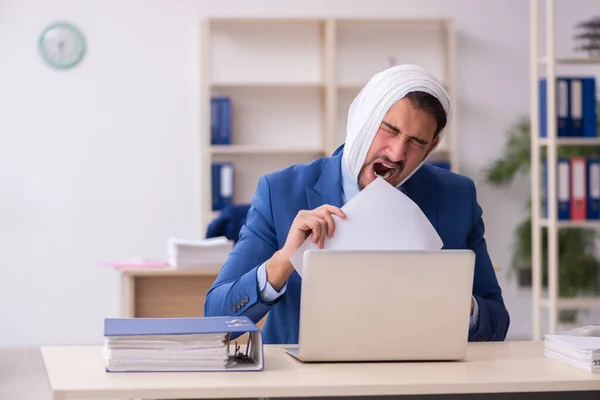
398 149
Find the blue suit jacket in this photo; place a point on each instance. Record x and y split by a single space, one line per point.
447 199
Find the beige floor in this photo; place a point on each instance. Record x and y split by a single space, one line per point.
22 375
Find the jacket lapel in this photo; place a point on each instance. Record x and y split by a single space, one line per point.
328 189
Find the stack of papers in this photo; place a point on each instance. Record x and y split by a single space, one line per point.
165 344
166 353
579 348
380 217
192 254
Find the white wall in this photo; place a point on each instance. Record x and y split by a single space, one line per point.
101 162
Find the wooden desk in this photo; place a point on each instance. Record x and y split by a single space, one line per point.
163 293
78 372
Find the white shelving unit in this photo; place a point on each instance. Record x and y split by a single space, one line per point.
548 64
291 82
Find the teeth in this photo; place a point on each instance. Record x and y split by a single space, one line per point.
387 174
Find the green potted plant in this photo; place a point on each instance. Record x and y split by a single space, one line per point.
578 265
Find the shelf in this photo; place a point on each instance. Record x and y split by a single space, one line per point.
574 303
262 150
209 270
265 52
365 47
572 224
572 60
268 117
357 86
351 86
266 84
573 141
291 81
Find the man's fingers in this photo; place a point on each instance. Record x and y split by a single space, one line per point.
330 224
324 233
319 228
320 222
334 210
313 223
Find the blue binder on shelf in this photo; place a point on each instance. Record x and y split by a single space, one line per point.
220 120
222 185
563 188
583 107
250 359
563 123
593 188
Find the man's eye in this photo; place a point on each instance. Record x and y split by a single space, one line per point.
417 142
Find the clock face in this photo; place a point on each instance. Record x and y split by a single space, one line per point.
62 45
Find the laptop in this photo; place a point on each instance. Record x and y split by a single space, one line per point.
362 305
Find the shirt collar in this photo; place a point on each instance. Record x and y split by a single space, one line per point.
349 185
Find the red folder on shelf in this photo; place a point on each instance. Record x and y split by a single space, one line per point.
578 189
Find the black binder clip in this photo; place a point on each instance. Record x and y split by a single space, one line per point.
242 357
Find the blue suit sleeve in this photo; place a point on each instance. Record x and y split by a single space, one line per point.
267 292
475 317
236 289
493 319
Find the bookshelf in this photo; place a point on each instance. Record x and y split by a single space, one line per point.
545 181
291 81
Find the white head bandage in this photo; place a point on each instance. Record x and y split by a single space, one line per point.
372 103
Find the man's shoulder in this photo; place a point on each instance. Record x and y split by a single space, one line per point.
454 194
445 179
297 175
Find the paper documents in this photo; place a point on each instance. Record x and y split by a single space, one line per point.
578 347
380 217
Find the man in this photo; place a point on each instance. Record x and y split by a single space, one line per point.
393 125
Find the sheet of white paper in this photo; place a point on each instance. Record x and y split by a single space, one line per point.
576 342
380 217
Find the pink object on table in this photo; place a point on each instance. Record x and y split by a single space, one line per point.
137 263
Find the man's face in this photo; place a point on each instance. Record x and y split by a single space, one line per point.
403 140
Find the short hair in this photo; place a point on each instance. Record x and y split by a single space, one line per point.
429 103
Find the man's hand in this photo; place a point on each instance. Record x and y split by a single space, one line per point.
319 223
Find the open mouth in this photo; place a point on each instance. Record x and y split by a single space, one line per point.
383 170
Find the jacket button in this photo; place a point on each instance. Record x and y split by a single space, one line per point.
233 308
246 299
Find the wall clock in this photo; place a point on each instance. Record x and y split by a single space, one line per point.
61 45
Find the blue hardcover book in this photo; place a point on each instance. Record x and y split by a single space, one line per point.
215 121
225 137
181 344
222 185
221 120
563 127
583 107
563 188
593 188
